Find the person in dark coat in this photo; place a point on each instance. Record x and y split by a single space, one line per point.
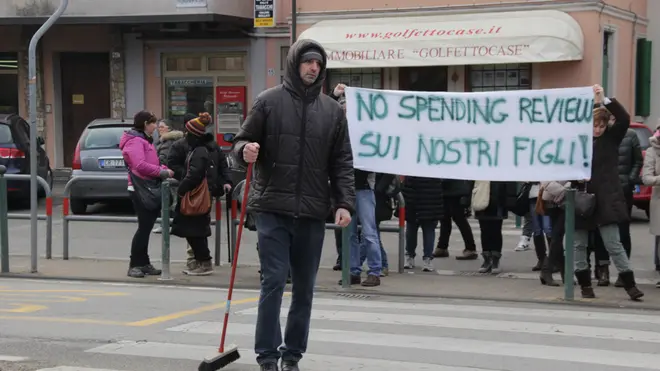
456 198
630 165
491 219
195 228
611 208
424 208
297 139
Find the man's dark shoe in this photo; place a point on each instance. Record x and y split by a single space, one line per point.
150 270
290 366
440 253
371 281
336 267
135 272
269 367
468 255
355 280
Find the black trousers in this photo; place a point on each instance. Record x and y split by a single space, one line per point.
200 246
454 211
491 235
556 250
286 243
140 243
596 242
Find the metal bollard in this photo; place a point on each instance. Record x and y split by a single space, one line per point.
346 256
402 231
4 224
165 223
518 219
218 230
49 227
65 228
569 249
234 226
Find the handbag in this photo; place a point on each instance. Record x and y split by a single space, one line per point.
198 201
480 195
521 205
585 203
539 208
148 191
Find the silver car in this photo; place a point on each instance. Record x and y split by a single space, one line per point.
98 154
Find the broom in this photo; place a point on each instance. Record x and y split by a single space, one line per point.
226 356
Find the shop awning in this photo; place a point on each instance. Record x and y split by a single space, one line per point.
466 39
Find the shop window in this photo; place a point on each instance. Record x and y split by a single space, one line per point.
371 78
284 52
229 63
188 95
9 83
183 64
516 76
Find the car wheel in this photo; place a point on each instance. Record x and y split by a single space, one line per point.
78 206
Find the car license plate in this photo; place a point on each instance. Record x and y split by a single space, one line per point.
111 163
637 189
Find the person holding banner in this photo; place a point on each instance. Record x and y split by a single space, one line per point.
297 139
610 202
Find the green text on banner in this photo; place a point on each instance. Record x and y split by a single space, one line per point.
523 135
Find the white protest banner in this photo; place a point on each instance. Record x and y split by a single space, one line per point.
523 135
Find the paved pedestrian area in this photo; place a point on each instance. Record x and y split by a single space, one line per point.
349 332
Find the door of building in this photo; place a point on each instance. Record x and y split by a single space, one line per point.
432 78
85 95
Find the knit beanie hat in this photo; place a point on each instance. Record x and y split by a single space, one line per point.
311 54
197 126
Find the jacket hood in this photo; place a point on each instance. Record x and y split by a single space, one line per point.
292 80
130 135
655 142
171 135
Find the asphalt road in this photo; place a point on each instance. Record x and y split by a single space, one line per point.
103 240
69 326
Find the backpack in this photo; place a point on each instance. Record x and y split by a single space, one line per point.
213 174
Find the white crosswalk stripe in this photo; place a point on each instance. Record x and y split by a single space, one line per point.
374 335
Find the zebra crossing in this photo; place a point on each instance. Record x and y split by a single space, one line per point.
368 334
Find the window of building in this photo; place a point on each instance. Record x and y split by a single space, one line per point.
284 52
608 38
233 63
8 83
186 95
183 64
371 78
493 77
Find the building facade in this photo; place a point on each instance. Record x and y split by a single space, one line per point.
114 58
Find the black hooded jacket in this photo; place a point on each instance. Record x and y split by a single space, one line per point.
303 140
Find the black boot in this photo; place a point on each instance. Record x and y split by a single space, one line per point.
584 280
487 266
546 274
628 279
603 275
540 248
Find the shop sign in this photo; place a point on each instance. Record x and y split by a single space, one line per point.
264 13
190 82
517 136
191 3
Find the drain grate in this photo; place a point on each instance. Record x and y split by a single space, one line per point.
357 296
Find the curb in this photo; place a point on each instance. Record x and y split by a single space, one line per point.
581 303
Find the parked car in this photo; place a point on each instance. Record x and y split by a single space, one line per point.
642 195
15 156
97 154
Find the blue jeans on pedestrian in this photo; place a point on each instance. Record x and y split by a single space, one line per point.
286 243
365 212
428 237
383 254
540 223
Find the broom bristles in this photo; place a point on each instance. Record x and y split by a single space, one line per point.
220 360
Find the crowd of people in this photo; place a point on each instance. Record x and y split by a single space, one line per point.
297 140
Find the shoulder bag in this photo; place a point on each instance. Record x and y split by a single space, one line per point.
521 205
198 201
148 191
585 203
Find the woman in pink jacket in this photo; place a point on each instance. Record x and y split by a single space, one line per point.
144 177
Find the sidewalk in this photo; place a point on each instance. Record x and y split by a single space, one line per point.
431 285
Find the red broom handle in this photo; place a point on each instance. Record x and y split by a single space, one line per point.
232 278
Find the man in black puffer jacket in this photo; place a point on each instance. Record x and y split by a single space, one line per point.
297 139
630 164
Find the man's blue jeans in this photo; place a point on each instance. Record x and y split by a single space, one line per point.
286 243
365 210
383 253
